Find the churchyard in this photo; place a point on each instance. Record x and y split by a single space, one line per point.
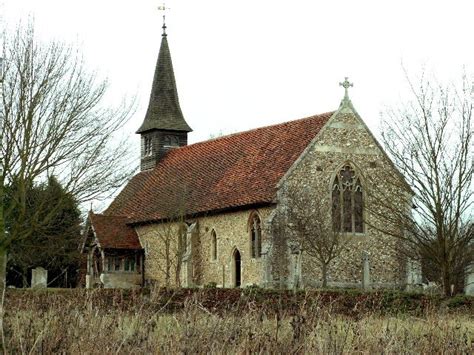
255 320
287 235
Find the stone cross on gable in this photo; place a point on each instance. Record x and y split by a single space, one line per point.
163 8
346 85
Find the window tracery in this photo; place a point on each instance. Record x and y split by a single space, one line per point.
347 201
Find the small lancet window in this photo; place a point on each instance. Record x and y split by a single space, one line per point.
213 245
255 236
347 201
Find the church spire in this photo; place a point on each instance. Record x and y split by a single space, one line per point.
164 126
163 110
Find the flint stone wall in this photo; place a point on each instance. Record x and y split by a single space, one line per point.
344 139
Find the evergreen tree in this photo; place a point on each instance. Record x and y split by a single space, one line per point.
53 245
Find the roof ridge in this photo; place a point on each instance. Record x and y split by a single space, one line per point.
239 169
109 215
252 130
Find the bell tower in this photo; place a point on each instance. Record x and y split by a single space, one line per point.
164 126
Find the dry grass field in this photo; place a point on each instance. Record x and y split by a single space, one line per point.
93 323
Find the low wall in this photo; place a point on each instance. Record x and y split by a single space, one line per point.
121 280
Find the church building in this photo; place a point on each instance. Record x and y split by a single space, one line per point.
217 212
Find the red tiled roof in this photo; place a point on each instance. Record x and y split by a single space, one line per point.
113 232
232 171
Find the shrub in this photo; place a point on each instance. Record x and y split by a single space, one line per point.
230 321
460 301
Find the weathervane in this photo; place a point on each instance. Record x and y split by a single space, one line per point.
346 85
163 8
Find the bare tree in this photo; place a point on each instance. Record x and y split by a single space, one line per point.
171 234
171 239
430 139
310 225
54 122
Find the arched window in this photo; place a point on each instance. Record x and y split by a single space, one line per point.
213 245
255 236
347 201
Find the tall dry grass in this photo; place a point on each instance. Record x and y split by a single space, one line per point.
79 325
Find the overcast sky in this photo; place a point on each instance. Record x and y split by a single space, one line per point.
244 64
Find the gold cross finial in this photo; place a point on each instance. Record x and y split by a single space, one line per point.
163 8
346 85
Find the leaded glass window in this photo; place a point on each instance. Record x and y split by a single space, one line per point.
347 201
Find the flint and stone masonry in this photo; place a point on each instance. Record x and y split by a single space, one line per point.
368 260
233 188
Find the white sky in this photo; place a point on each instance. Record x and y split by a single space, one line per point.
244 64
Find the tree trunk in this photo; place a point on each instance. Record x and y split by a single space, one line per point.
168 273
3 263
324 270
167 261
446 280
24 277
3 286
178 272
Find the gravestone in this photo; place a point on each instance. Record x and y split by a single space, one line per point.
365 271
39 278
414 275
469 286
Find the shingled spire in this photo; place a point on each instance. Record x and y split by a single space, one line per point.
164 126
164 111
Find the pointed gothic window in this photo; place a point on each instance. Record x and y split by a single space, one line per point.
347 202
255 236
213 245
